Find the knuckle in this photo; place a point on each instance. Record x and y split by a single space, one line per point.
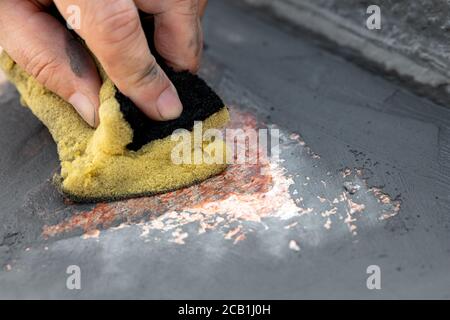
148 75
43 68
187 7
118 23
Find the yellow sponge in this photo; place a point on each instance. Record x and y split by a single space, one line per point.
97 164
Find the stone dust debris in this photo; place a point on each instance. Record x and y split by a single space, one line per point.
243 195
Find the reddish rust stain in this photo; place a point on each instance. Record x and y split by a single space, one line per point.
236 180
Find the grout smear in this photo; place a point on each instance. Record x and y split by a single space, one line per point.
240 197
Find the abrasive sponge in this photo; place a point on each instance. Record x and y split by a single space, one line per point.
128 155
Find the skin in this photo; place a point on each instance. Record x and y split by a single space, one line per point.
41 45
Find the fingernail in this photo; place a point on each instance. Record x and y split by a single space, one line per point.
169 104
84 107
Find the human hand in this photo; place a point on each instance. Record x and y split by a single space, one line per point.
41 45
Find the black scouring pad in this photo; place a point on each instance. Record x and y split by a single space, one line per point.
199 102
198 99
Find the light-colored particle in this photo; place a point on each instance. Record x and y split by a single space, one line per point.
293 245
91 234
351 187
327 224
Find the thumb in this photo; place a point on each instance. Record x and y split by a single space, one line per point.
52 55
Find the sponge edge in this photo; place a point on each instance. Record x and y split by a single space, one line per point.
95 163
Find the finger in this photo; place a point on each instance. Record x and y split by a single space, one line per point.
113 32
43 3
52 55
178 33
202 7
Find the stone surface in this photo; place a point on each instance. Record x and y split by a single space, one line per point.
413 43
339 123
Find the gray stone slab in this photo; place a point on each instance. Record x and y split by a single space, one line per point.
348 118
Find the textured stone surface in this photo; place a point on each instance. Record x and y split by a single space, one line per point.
348 117
420 28
414 41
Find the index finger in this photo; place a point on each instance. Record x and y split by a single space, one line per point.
113 32
178 32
